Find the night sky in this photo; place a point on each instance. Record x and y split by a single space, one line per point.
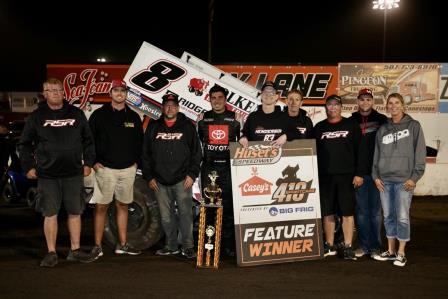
244 32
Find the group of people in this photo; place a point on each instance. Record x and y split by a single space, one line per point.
365 161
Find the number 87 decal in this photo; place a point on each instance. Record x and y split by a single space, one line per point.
158 76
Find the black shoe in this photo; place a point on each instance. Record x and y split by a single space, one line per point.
79 256
348 253
50 260
189 253
126 249
400 261
96 252
166 251
329 250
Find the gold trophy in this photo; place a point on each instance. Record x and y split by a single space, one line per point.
211 205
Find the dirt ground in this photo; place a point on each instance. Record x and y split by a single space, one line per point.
148 276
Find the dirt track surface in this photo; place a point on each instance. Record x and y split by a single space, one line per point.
148 276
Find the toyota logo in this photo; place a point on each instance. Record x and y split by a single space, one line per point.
218 134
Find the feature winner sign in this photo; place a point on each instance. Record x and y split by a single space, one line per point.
276 202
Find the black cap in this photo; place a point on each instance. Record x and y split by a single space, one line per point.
270 85
334 97
170 97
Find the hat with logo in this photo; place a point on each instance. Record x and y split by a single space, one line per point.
334 97
169 97
269 86
118 83
365 92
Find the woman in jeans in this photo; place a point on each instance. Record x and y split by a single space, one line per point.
398 163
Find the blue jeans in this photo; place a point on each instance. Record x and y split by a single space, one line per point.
368 216
396 203
166 197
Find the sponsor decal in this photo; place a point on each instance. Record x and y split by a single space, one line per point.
291 189
169 136
274 211
218 134
389 138
257 154
335 134
255 185
59 122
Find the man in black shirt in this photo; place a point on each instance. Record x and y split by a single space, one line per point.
294 100
342 163
57 149
118 140
268 123
216 129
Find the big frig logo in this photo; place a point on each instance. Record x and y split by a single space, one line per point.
291 189
256 155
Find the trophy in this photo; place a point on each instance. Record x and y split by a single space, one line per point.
210 225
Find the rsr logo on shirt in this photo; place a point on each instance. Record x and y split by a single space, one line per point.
218 134
59 122
335 134
169 136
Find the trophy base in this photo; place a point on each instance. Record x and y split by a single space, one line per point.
209 240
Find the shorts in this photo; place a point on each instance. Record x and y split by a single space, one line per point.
53 192
114 183
337 195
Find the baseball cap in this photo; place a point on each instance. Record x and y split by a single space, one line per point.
365 91
170 97
269 86
334 97
118 83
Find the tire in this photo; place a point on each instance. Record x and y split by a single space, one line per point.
8 194
31 196
144 227
190 89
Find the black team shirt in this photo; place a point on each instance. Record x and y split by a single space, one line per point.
118 136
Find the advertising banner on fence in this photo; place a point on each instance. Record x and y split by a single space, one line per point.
154 73
86 84
416 82
443 88
276 202
316 82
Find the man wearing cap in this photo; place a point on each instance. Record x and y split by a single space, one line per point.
342 163
118 137
269 123
171 163
216 129
57 149
368 203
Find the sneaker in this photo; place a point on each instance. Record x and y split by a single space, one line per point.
50 260
126 249
385 256
400 261
349 253
166 251
189 253
329 250
79 256
360 252
374 253
96 252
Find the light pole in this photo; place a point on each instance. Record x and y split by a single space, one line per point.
385 5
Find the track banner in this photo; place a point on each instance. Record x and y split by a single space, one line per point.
417 82
276 202
315 82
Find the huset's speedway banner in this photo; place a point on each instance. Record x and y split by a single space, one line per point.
276 202
316 82
416 82
86 84
154 73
